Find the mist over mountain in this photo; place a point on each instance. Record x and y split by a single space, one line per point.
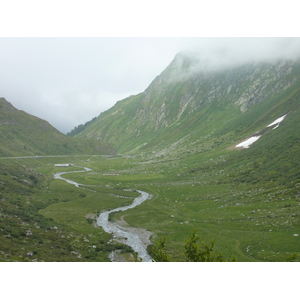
215 144
224 53
68 81
196 100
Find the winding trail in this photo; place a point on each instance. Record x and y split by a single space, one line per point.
127 235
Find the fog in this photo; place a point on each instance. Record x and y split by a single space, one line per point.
68 81
222 53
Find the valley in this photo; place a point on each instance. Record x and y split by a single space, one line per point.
218 151
250 219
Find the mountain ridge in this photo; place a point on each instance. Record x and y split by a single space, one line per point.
25 134
185 99
179 139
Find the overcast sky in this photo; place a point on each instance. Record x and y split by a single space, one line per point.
68 81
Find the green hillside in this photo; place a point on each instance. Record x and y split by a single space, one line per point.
185 106
176 141
181 133
23 134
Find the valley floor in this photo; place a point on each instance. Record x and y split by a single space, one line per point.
43 219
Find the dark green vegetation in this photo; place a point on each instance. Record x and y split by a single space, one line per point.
177 141
46 220
23 134
194 252
79 128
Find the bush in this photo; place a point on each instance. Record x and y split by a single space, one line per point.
193 251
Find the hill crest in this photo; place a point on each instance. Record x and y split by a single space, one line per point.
25 134
196 104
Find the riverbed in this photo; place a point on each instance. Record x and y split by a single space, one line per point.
126 235
137 238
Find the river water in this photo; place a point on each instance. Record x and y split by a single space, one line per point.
130 238
127 235
58 176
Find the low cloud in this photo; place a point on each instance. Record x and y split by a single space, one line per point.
68 81
214 54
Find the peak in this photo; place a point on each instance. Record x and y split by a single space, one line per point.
5 105
3 100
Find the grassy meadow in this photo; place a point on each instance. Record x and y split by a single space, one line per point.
244 200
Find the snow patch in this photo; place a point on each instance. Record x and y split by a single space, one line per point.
277 121
250 141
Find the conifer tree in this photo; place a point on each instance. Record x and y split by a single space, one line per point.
194 252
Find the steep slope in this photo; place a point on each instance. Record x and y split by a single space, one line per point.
186 126
189 107
24 134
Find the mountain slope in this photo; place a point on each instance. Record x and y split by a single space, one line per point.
24 134
191 107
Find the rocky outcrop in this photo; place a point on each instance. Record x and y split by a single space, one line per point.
189 97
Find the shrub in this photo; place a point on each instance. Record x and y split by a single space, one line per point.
193 251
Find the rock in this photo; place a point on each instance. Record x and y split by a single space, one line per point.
28 232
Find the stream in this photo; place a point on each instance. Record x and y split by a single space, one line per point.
131 238
126 235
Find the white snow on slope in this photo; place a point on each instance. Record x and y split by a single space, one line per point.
250 141
278 121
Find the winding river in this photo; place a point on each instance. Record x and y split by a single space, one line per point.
127 235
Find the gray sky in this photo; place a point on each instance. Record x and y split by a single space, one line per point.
68 81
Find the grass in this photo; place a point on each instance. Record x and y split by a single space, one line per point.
50 220
245 200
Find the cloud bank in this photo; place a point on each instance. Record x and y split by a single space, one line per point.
227 52
68 81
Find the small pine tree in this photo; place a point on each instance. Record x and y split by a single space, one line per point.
158 253
193 251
